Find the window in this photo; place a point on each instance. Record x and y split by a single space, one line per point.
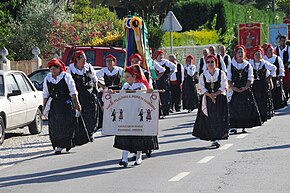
1 86
120 57
90 54
11 84
23 85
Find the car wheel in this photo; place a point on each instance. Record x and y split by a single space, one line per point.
2 131
35 127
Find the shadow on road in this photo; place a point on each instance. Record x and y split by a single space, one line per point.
178 140
61 174
267 148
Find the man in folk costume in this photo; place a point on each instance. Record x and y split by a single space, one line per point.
60 101
226 58
112 75
222 66
201 66
163 82
212 122
86 80
278 94
176 80
284 52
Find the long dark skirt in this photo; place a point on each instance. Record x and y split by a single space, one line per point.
215 126
244 111
189 94
165 97
136 143
278 94
270 105
260 90
87 123
61 123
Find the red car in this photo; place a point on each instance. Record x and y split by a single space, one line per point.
95 55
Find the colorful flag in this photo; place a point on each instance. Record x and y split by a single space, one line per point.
275 31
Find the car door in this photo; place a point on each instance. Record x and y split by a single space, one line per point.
17 103
29 96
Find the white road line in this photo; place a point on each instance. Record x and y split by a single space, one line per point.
226 146
241 136
178 177
205 159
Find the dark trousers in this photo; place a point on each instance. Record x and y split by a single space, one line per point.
175 97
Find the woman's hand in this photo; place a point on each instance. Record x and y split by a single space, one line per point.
78 106
149 90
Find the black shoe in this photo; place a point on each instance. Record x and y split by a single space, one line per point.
148 153
122 163
67 149
92 139
178 110
233 131
57 152
170 111
244 131
217 145
133 158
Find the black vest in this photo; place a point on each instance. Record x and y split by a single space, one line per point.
112 80
285 54
178 74
219 57
201 63
226 60
261 73
212 87
83 81
276 63
240 77
59 90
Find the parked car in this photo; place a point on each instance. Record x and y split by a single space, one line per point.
20 103
95 55
38 76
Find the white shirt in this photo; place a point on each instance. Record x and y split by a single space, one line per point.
270 68
241 66
158 67
134 86
282 51
213 78
167 63
68 79
106 71
72 69
173 76
280 62
190 69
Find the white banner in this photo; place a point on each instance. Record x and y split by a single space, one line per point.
134 113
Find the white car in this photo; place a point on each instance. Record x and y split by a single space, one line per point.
20 103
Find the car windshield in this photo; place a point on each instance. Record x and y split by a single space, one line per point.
1 86
90 54
39 76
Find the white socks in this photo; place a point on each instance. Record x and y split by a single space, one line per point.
138 157
125 154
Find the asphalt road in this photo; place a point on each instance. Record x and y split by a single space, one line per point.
256 162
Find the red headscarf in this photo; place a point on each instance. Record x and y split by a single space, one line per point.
56 62
140 77
113 57
267 46
240 47
135 56
130 71
77 54
258 49
191 57
157 53
215 59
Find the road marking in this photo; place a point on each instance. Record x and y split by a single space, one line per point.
178 177
241 136
205 159
226 146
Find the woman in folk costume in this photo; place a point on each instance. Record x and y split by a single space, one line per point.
212 122
278 95
134 144
85 79
60 101
163 82
189 92
112 75
262 86
243 108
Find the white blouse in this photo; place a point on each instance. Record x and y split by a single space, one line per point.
68 79
134 86
106 71
270 68
72 69
190 69
213 78
240 66
158 67
280 62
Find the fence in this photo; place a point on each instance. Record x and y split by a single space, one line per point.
27 66
182 51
